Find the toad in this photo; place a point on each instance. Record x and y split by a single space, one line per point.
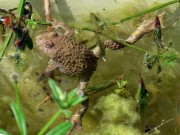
67 56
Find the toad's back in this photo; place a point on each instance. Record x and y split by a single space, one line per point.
73 59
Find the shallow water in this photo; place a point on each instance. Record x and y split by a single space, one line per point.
165 95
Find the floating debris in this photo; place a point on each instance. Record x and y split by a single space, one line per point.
145 27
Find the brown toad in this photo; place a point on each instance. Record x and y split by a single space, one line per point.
67 56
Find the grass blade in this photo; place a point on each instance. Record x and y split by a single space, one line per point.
2 132
19 116
77 100
54 117
61 129
58 95
5 44
17 110
101 87
149 10
71 94
21 7
54 88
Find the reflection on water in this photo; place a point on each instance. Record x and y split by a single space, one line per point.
164 96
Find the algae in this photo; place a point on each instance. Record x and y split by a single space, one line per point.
117 114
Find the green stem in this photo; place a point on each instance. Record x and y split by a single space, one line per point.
75 26
44 23
146 11
113 39
21 7
124 43
5 44
54 117
17 93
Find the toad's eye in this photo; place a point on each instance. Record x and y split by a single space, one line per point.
53 34
49 44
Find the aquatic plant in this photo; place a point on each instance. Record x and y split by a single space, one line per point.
15 25
98 29
118 116
165 54
64 100
148 10
17 110
141 96
119 82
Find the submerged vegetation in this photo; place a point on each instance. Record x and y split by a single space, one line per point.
118 116
120 111
64 100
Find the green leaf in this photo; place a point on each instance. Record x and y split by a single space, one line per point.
118 91
33 27
31 23
19 116
76 100
57 93
2 132
121 83
67 112
72 94
49 123
56 90
61 129
59 96
63 99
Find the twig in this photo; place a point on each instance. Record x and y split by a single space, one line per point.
47 13
78 115
76 119
48 97
160 125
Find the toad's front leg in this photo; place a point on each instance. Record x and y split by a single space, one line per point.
52 65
